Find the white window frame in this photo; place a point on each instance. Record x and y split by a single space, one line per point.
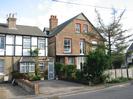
41 43
2 42
85 28
82 46
27 67
78 27
42 66
1 67
67 45
26 42
71 60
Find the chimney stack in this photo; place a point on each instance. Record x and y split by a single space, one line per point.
53 22
11 21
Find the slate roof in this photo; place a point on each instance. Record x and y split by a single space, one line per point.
130 48
27 59
62 26
21 30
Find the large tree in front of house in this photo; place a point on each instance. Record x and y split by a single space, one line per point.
115 36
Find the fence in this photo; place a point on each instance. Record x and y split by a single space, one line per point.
120 72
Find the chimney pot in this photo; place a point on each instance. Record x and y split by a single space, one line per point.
11 21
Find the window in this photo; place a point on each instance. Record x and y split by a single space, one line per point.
2 42
71 60
41 66
27 67
41 43
26 42
1 66
78 28
67 45
85 28
81 46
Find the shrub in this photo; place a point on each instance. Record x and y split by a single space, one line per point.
16 75
118 80
36 77
60 70
96 63
79 75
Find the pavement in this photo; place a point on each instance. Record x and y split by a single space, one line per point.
49 89
8 91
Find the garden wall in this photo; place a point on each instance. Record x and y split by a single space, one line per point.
29 86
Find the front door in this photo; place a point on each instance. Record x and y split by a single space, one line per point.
50 70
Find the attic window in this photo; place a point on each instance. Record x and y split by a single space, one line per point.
77 28
85 28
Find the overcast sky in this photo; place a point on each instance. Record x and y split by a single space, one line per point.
37 12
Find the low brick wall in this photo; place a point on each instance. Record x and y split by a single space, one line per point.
29 86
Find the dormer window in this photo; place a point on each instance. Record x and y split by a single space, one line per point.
77 28
85 28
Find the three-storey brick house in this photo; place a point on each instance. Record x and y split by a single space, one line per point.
70 41
16 41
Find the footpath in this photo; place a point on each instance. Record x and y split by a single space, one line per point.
60 93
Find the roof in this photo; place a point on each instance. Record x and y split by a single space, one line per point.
21 30
27 59
130 48
62 26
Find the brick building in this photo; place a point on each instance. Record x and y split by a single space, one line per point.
16 41
70 41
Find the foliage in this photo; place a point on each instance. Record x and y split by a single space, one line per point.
36 77
17 75
114 34
65 71
117 60
59 68
70 71
35 53
79 75
96 64
119 80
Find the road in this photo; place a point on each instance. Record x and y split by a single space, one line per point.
120 92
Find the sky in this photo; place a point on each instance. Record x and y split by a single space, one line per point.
37 12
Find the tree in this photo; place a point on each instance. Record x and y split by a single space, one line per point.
96 64
114 34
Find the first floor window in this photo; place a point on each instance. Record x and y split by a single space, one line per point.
2 42
82 46
1 66
71 60
67 45
41 43
26 42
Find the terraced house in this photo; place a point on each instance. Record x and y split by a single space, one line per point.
16 41
70 41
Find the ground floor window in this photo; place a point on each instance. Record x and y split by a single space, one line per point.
27 67
71 60
1 66
42 66
60 60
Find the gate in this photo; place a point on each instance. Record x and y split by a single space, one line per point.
50 70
